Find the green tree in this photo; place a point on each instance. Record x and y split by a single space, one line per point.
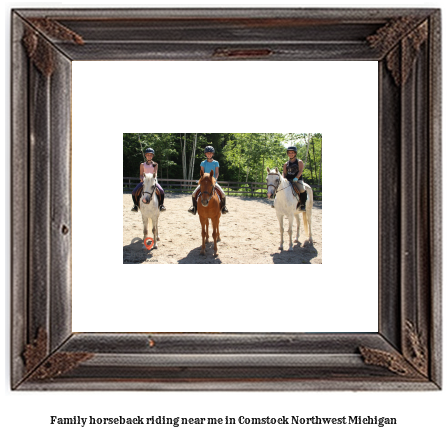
252 153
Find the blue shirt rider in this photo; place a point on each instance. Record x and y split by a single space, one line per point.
207 166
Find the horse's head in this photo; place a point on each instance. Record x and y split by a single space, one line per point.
148 187
206 182
273 181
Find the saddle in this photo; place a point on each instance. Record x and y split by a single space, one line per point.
295 189
296 193
138 193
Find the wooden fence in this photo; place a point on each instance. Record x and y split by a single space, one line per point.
231 188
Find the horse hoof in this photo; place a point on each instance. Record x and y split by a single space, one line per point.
281 248
295 241
158 238
290 249
202 253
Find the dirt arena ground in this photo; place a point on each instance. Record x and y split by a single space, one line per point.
249 233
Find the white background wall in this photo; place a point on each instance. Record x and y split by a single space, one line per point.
340 295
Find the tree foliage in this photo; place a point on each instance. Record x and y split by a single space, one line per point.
242 157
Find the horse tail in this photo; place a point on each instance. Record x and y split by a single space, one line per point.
307 219
306 224
310 196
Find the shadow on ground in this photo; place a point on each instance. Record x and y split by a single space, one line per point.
136 252
300 255
194 256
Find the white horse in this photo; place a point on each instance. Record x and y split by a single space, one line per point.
285 205
149 207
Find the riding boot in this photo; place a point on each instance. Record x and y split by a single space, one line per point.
193 209
223 208
303 199
161 200
135 203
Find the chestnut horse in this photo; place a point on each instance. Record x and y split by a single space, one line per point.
208 208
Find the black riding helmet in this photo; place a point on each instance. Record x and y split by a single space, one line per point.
292 148
149 151
209 149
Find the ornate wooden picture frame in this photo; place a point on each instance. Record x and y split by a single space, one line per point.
405 353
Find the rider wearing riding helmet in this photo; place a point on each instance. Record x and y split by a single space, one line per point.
207 166
148 166
293 172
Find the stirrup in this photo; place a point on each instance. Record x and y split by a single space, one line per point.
134 208
192 210
162 208
224 210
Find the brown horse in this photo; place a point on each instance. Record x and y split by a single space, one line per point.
208 207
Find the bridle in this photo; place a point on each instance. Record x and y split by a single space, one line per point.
150 193
276 186
206 193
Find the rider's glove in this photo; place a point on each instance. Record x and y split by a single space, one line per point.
295 179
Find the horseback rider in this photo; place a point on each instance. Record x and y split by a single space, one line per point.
148 166
207 166
293 172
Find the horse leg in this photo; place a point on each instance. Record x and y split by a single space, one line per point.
218 232
203 223
298 227
281 231
215 233
145 221
155 231
207 233
155 220
290 231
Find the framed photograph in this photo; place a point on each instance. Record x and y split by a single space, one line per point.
50 352
247 177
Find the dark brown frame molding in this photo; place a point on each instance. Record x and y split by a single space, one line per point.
405 354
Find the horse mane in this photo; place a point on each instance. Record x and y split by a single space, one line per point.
275 172
146 177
